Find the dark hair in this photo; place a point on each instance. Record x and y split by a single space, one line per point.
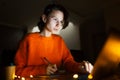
48 9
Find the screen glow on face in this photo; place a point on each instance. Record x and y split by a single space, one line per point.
55 21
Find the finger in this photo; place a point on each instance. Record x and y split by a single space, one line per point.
91 67
86 66
55 67
52 69
49 69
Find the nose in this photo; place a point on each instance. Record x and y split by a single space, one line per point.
58 24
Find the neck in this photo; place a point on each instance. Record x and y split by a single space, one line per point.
45 33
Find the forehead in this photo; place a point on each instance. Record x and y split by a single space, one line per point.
57 13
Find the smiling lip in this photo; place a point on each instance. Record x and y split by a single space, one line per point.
55 29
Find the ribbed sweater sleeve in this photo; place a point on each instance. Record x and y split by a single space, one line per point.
21 61
68 61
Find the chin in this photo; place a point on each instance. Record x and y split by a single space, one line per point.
55 32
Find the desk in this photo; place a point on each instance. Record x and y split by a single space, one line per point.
52 77
9 74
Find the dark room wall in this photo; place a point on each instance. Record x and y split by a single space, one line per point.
9 41
93 35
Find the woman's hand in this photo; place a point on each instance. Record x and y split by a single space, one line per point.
88 66
85 67
51 69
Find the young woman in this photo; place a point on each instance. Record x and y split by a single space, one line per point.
45 52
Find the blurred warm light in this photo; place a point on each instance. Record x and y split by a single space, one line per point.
111 49
31 76
10 72
75 76
22 78
109 57
18 76
15 76
90 77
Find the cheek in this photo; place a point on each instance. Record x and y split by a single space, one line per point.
60 28
52 24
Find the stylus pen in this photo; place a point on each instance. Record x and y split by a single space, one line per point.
47 60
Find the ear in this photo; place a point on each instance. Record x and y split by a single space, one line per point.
44 18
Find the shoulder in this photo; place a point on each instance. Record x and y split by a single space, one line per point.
30 36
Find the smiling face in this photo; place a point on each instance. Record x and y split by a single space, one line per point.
54 22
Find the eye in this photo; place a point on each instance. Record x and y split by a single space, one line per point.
62 23
55 19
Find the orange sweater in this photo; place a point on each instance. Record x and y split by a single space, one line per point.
29 58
